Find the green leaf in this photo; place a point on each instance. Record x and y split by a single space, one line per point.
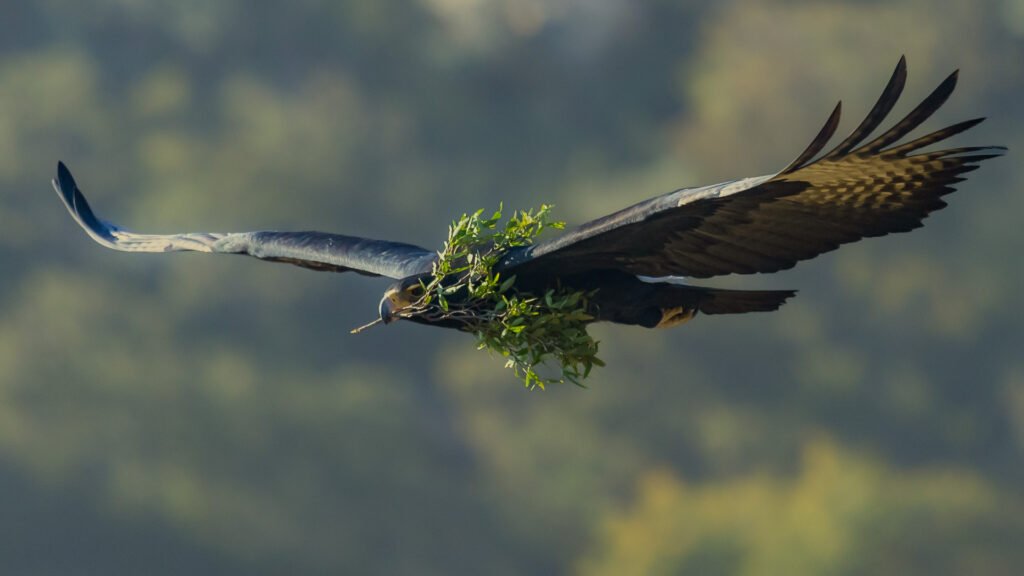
506 284
530 331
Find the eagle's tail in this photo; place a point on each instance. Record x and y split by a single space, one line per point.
664 303
671 305
721 301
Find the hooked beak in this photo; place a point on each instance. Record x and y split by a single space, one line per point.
396 304
387 313
392 305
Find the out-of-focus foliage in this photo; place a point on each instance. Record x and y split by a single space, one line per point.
190 414
840 514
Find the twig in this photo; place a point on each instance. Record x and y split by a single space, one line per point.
364 326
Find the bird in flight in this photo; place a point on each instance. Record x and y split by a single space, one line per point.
633 262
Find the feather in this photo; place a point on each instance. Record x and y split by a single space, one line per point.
314 250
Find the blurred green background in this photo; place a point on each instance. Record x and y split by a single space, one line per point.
189 414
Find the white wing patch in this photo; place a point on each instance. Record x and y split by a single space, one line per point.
678 280
691 195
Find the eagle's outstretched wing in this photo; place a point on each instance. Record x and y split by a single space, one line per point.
769 223
316 250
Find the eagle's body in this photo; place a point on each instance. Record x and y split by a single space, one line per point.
634 261
625 298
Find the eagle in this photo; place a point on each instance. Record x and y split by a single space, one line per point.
635 262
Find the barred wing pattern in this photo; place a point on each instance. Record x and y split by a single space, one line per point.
315 250
769 223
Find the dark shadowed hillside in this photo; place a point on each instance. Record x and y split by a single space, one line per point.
191 414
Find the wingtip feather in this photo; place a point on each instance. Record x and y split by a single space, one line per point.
901 67
915 118
890 95
819 142
65 185
79 208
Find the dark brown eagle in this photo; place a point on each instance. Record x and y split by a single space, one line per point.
634 261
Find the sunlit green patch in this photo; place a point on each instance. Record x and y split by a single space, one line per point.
530 330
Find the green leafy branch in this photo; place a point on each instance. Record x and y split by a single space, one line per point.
528 330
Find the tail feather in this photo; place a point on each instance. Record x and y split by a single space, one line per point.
720 301
664 303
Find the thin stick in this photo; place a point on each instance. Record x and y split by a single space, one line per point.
364 326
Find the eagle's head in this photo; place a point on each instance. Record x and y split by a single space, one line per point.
404 299
400 296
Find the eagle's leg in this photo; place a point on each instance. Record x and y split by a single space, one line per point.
675 316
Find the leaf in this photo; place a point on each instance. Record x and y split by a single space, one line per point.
528 330
507 284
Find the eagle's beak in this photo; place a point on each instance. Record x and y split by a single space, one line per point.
387 313
393 304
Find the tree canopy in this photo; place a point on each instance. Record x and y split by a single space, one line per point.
183 414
